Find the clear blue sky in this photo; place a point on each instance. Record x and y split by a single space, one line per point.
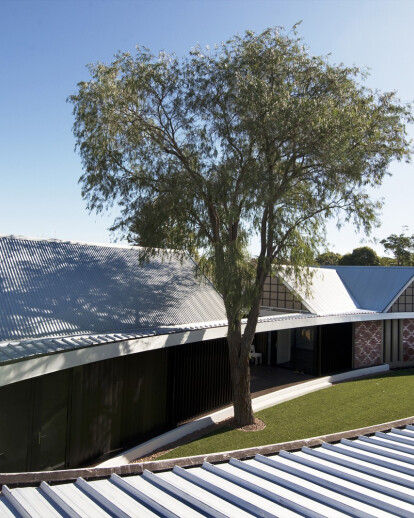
45 45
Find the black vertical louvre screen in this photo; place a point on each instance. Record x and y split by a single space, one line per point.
75 416
201 378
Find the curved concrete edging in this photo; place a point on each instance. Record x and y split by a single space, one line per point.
259 403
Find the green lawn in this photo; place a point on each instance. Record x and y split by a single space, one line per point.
346 406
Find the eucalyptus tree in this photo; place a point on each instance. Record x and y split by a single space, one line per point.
254 137
402 246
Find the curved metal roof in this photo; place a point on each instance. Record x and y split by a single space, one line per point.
54 288
20 350
63 296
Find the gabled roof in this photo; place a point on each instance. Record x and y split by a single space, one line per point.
55 288
326 294
374 287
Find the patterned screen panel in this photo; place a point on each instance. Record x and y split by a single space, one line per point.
277 295
405 301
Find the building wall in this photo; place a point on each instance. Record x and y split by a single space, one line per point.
72 417
368 343
408 340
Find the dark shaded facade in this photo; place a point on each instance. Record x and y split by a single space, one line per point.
317 350
78 415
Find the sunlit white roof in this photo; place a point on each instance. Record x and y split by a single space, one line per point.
325 293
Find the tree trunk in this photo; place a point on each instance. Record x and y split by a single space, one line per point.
239 352
240 377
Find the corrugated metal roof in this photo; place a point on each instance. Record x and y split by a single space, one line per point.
326 293
374 287
366 477
19 350
54 288
25 349
61 296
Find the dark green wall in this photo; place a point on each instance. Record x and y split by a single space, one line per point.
69 418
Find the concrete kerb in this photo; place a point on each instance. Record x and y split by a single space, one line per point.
259 403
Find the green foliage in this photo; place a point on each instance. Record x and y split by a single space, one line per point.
363 256
328 259
387 261
255 136
346 406
402 247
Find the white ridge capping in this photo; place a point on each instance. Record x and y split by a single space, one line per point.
259 403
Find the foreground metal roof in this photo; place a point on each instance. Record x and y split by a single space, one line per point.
374 287
54 288
366 477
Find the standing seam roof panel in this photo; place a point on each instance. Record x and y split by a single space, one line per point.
263 486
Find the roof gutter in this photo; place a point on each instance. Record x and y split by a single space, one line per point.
27 368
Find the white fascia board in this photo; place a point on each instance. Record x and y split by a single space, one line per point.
34 367
316 320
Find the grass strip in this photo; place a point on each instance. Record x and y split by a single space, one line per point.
345 406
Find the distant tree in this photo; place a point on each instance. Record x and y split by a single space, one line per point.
402 247
387 261
328 259
363 256
253 137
